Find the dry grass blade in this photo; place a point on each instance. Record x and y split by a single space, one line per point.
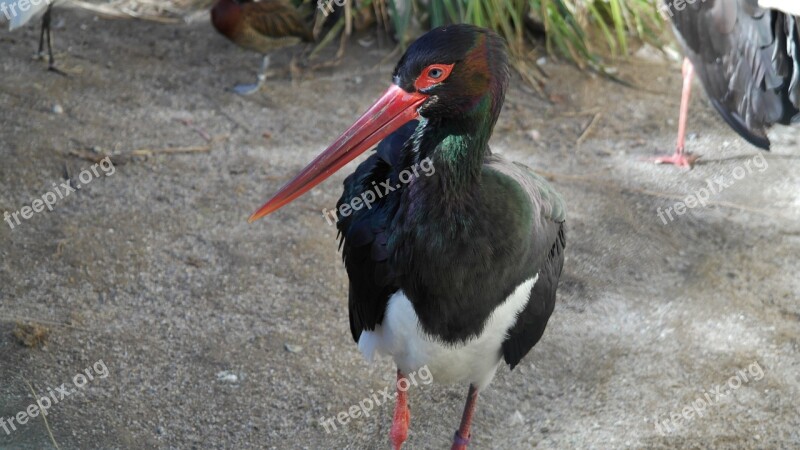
124 10
574 28
44 416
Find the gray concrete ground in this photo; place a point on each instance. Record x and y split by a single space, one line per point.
219 334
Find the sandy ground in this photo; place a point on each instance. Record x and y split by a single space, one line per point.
219 334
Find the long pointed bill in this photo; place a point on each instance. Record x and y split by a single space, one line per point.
395 108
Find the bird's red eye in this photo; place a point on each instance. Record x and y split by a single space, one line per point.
432 75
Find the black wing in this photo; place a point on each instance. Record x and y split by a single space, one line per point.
747 59
548 243
532 321
364 232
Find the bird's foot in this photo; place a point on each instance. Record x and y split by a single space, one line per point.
680 159
54 69
247 89
399 432
459 443
51 66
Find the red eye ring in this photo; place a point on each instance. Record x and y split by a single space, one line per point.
433 75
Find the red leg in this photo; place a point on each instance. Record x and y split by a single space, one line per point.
461 439
681 158
402 415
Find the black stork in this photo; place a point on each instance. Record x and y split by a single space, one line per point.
18 16
747 58
456 271
263 27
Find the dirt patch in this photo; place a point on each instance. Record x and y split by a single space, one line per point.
154 271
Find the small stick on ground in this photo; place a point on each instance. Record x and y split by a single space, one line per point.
234 120
68 176
588 129
88 156
584 112
170 150
122 158
203 133
13 319
44 416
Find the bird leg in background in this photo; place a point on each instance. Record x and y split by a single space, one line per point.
46 26
681 158
247 89
46 20
294 71
461 439
402 415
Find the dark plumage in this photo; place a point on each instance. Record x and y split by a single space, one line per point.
432 256
262 26
747 58
454 270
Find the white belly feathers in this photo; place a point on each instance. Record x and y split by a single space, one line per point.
475 361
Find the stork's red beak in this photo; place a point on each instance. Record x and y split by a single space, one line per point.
395 108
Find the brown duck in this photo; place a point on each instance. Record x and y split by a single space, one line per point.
262 26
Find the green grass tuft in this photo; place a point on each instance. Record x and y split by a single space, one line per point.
579 30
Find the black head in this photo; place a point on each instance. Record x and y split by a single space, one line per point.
462 68
455 77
